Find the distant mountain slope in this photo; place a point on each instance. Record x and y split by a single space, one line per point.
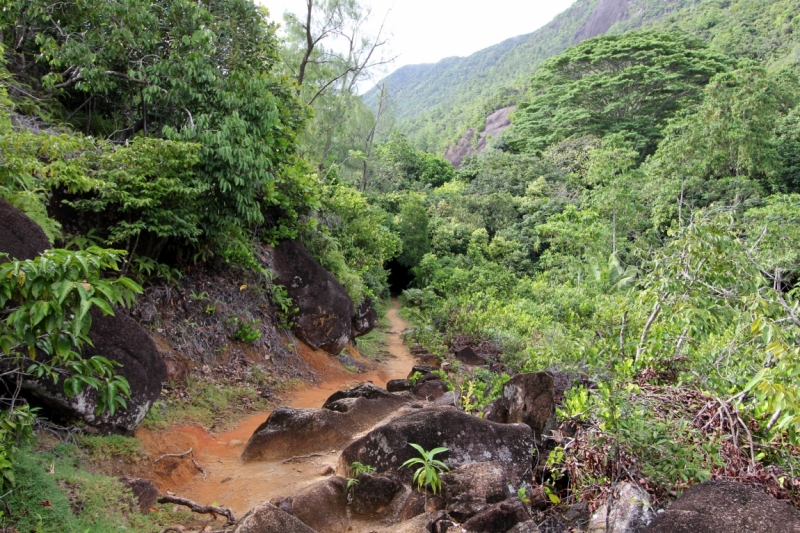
435 104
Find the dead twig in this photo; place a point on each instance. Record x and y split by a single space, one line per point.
184 454
200 509
309 456
200 468
189 452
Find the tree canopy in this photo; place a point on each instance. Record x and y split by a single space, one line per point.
630 84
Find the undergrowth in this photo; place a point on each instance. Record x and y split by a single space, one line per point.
207 404
59 496
110 446
373 345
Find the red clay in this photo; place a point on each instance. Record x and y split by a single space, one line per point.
228 481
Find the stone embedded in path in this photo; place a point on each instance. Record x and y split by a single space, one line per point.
469 439
430 390
469 489
366 390
527 399
374 494
266 518
290 432
729 507
421 369
325 311
398 385
322 506
498 518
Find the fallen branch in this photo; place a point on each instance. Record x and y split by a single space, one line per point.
200 468
184 454
200 509
190 452
309 456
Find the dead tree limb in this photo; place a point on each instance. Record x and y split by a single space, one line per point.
309 456
184 454
200 509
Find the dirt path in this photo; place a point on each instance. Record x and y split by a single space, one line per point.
228 481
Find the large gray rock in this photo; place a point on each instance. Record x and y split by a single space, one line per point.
20 237
116 337
726 507
289 432
366 390
630 512
266 518
322 506
527 399
325 311
120 339
365 319
468 438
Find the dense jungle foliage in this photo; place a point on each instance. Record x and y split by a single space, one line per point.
437 103
638 227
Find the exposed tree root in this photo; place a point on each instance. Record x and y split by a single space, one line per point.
201 509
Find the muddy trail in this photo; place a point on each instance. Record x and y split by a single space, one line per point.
218 475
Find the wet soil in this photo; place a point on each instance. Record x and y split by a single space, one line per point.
229 482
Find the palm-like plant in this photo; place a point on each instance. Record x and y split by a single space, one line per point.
429 468
615 276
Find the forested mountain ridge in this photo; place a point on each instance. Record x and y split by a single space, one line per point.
435 107
210 204
435 103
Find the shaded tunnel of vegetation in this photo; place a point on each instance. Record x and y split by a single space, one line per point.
400 277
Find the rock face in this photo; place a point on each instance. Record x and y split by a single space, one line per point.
725 506
20 237
469 489
630 512
527 399
324 319
496 123
289 432
365 319
266 518
322 506
118 338
468 438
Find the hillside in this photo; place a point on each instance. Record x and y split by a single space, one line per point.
434 104
227 304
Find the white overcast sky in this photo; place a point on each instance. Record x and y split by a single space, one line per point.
425 31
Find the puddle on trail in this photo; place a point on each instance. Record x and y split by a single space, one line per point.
228 481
